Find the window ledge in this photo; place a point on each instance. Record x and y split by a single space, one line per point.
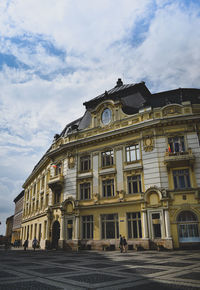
132 166
87 174
107 171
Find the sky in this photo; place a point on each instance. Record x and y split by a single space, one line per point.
57 54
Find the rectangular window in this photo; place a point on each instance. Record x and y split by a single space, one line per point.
87 227
134 184
134 225
85 191
109 226
108 188
176 144
181 179
107 158
57 196
85 163
132 153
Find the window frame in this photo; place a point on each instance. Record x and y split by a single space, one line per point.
85 159
87 227
176 174
105 221
106 183
107 158
136 178
134 234
83 187
132 153
176 144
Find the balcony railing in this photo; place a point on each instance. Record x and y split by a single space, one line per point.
179 158
56 181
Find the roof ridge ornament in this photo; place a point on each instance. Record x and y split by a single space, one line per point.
119 83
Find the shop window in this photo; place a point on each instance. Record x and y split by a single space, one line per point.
132 153
176 144
85 191
181 179
107 158
85 163
134 184
108 188
87 227
134 225
109 226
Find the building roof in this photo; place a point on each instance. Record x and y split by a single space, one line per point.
118 92
20 195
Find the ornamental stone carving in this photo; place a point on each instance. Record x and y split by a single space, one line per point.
71 161
148 144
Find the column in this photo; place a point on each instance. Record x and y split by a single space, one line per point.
77 223
95 157
167 224
144 225
62 226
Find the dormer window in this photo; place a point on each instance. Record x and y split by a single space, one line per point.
106 116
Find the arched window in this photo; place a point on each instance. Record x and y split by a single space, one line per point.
188 227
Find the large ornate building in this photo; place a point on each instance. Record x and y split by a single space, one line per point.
129 166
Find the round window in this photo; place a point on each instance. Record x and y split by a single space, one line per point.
106 116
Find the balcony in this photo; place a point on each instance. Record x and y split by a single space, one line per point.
56 181
183 158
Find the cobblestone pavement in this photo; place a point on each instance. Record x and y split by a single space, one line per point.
54 270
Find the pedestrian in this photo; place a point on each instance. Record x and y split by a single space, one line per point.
25 245
125 245
34 244
121 243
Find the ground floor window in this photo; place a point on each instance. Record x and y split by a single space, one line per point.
134 225
87 227
109 226
188 227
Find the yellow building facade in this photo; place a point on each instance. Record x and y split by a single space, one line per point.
129 166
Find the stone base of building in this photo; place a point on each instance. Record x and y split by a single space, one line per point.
161 244
112 245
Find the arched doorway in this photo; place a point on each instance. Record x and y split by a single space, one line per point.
188 227
55 234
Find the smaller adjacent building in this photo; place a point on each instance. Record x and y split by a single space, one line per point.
17 219
9 226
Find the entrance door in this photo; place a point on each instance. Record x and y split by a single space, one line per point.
156 225
69 229
55 234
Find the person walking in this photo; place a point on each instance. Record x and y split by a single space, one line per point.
34 244
25 245
121 243
125 245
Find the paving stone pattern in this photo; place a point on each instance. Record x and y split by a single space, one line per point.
58 270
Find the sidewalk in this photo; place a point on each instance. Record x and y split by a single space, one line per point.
52 270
